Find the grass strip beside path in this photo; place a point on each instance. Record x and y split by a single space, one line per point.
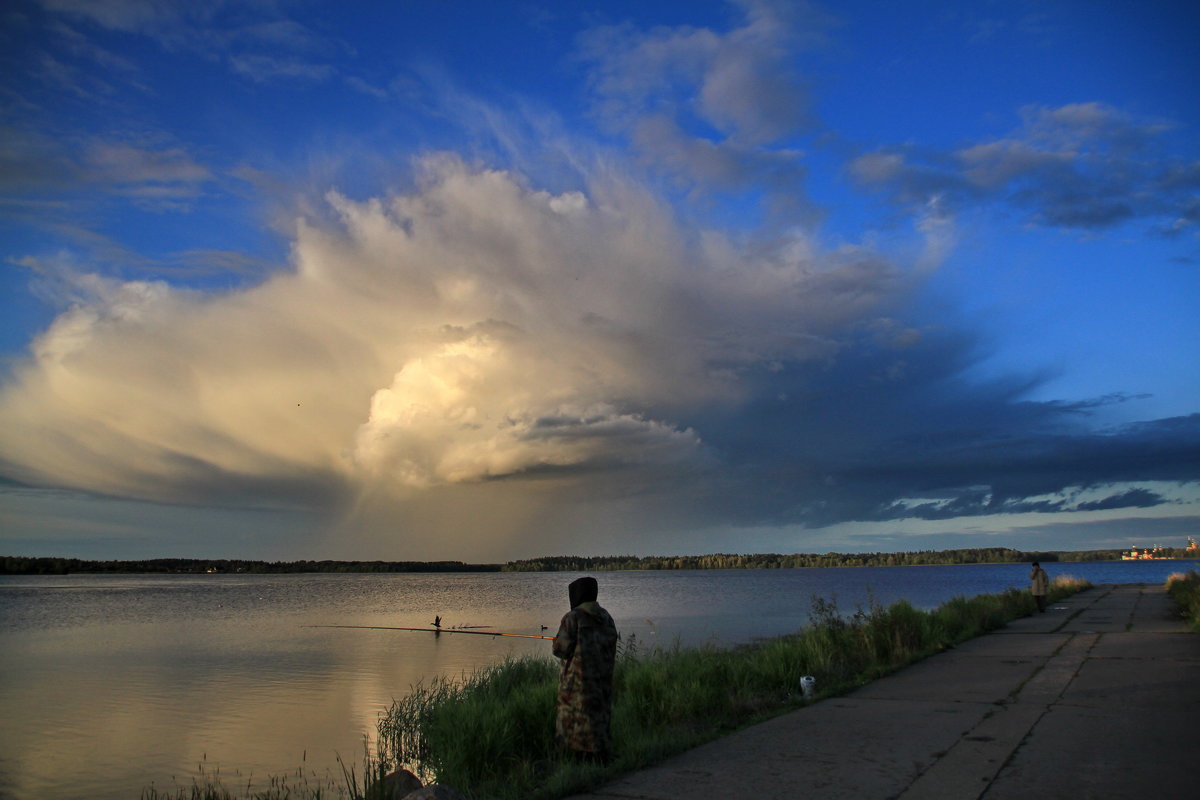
1184 589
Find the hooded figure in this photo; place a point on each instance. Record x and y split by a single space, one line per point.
586 643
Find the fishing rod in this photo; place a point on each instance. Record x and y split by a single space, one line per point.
435 630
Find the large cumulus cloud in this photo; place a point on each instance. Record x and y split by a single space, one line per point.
473 329
478 361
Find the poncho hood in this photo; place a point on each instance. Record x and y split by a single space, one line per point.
582 590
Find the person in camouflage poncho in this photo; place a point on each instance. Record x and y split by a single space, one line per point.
586 643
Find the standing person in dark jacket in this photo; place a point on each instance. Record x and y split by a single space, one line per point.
586 643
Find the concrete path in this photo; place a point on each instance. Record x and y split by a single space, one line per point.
1099 697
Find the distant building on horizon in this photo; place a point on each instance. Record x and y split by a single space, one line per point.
1158 551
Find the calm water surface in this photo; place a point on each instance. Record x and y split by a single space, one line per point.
110 684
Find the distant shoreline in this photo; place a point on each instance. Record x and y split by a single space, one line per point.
30 565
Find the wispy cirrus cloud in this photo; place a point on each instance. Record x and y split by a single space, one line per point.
258 42
87 175
130 169
714 109
1083 166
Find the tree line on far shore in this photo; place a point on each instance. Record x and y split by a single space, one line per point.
984 555
22 565
28 565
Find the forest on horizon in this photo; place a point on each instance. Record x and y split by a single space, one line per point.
41 565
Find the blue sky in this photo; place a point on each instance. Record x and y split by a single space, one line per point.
481 280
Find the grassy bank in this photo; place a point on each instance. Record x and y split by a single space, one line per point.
1184 589
491 736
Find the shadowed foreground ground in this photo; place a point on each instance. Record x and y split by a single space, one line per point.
1099 697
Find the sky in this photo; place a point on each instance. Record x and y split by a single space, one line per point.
471 280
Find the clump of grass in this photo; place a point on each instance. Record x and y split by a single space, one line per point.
1065 586
1184 589
211 787
498 721
491 735
297 785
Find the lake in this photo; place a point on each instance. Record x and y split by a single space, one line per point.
115 683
